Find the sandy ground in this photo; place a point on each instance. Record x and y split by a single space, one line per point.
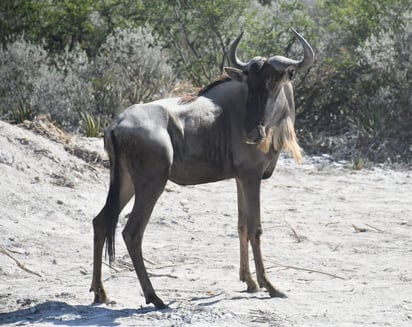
338 242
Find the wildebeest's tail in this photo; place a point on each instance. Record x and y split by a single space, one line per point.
112 203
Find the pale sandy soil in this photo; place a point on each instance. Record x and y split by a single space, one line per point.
336 241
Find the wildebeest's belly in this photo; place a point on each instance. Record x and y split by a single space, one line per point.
197 172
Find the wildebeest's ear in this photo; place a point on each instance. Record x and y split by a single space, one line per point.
235 74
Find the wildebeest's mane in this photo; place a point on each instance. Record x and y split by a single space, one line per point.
188 98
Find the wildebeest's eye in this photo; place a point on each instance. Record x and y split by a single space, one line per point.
291 72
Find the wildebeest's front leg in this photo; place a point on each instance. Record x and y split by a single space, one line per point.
249 210
244 271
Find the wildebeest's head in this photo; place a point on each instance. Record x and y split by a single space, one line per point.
270 111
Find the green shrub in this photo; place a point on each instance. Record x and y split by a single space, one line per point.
22 114
91 126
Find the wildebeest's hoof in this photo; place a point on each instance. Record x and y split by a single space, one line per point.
276 293
100 296
252 288
157 302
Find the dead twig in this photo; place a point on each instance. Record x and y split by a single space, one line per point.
149 261
19 264
297 237
305 269
363 229
124 265
163 275
377 229
120 265
111 267
359 229
331 223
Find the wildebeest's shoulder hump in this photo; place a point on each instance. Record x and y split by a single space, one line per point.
189 98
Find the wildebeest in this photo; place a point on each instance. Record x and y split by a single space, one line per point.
234 128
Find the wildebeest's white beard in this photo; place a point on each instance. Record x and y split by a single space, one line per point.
282 137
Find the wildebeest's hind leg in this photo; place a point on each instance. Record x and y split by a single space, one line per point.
120 192
150 174
248 186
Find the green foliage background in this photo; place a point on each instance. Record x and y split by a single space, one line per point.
354 103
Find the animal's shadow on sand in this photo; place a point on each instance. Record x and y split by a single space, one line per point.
61 313
64 314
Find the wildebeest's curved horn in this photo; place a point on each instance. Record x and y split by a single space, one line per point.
233 59
308 55
280 63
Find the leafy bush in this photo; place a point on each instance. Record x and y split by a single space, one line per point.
386 84
384 98
32 85
64 90
129 69
196 33
356 101
21 65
